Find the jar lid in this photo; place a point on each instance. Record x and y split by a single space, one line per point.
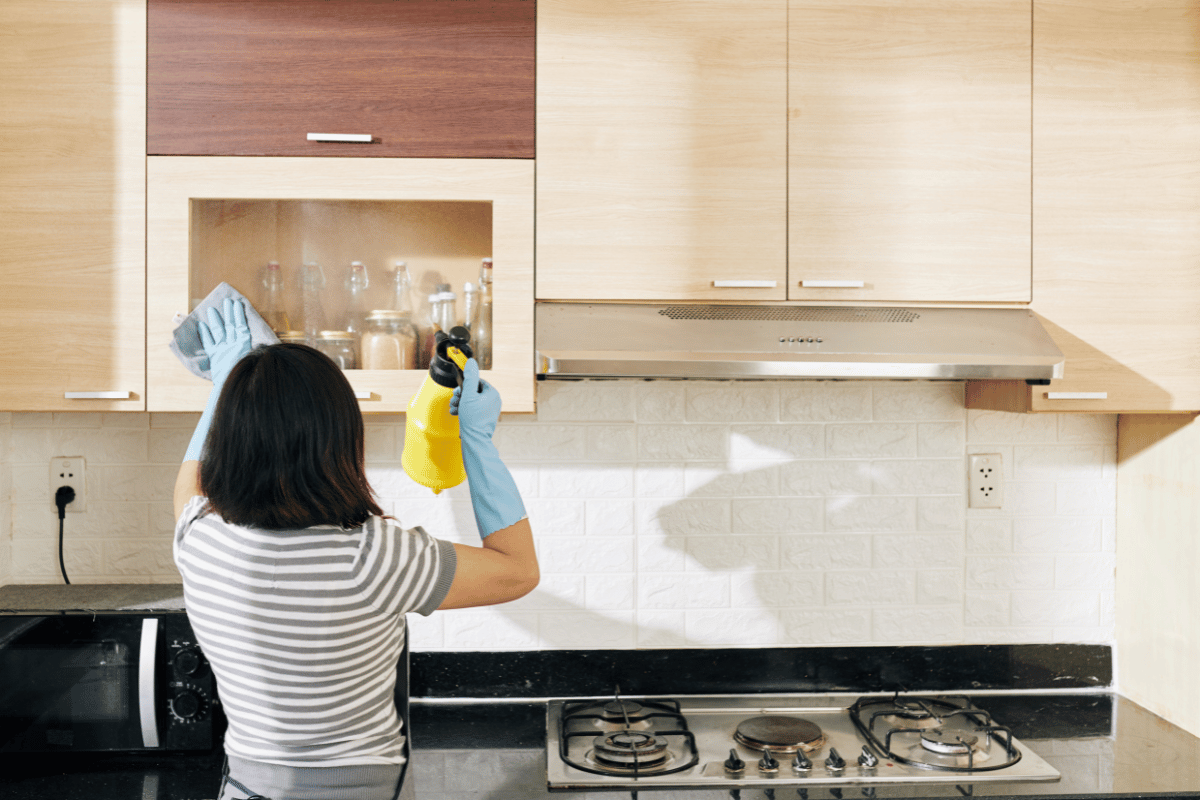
388 314
335 335
290 336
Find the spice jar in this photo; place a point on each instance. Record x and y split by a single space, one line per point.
390 341
341 346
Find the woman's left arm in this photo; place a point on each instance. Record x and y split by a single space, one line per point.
226 339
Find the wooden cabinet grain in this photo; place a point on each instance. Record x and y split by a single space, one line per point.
909 151
1116 207
72 205
421 78
661 149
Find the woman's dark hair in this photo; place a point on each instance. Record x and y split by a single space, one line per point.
285 449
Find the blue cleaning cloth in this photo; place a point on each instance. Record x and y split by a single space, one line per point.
186 343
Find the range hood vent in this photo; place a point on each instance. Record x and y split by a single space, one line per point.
633 340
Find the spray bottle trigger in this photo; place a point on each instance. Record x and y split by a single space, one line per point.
460 359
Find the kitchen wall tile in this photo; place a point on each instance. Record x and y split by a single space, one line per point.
824 401
683 514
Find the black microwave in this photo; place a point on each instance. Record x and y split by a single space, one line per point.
105 682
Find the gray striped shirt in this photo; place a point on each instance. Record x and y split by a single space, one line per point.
304 630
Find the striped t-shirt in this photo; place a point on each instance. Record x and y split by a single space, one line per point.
304 630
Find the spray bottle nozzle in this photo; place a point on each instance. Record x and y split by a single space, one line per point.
450 356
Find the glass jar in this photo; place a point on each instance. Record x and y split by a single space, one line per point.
296 337
390 341
341 346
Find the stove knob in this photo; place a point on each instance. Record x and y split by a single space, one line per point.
733 763
835 763
836 794
768 763
867 760
801 762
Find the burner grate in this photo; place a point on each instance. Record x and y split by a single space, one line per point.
625 751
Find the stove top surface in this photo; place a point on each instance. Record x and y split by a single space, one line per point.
809 740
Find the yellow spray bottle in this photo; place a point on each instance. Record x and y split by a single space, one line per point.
432 450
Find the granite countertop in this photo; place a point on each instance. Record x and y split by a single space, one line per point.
96 598
1104 746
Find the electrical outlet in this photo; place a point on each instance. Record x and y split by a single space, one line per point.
70 471
985 480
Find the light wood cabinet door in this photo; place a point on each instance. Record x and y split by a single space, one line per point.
72 205
909 151
661 152
229 216
1116 206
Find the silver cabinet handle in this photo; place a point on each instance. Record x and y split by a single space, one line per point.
1076 395
832 284
745 284
97 395
147 657
340 137
366 395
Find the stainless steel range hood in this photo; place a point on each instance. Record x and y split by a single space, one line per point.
614 340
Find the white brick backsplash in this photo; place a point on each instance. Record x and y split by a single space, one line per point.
870 513
919 400
609 518
917 551
1057 535
715 553
874 587
683 590
683 442
778 515
825 551
1002 427
825 478
825 401
757 480
1056 609
1010 572
916 625
731 401
878 440
777 589
682 514
585 401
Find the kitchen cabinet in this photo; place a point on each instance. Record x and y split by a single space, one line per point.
909 151
1117 208
72 318
212 219
419 78
662 150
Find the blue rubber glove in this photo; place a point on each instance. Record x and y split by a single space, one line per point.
494 494
226 338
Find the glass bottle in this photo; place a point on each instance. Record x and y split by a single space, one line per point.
273 312
390 341
481 333
356 285
441 318
312 314
402 300
470 314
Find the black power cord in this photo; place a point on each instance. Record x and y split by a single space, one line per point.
62 497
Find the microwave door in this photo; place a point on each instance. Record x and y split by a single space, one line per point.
73 683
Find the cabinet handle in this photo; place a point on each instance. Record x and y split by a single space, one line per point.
340 137
366 395
745 284
832 284
97 395
1076 395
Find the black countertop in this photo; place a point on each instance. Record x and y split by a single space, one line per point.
1104 746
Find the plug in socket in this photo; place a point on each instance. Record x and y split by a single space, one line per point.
985 480
70 471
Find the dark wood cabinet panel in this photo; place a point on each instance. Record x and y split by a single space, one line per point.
424 78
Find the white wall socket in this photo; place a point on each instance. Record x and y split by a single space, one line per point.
70 471
985 480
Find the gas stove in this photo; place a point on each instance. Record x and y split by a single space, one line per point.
792 741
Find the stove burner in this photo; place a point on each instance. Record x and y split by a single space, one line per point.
779 734
630 749
917 723
950 744
622 711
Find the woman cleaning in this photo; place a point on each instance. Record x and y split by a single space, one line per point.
297 584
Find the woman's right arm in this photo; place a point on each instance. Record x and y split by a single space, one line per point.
504 568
